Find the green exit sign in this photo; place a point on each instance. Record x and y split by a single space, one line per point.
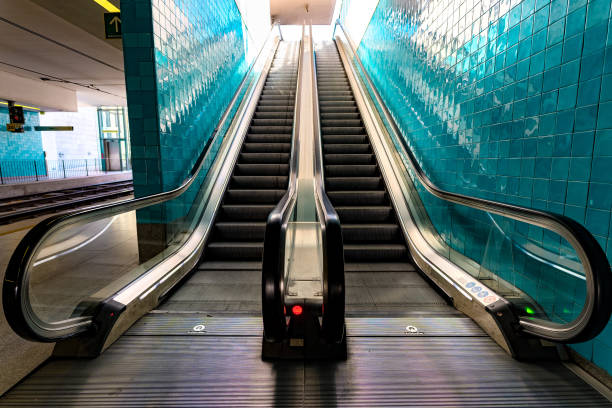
112 25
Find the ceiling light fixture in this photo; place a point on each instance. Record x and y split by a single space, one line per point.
23 106
108 6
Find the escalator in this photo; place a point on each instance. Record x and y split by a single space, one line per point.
259 180
267 243
380 276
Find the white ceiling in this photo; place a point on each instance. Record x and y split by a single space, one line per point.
63 42
288 12
51 42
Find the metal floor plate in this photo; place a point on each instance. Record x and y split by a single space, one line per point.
159 363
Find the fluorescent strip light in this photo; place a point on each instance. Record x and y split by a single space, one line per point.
23 106
108 6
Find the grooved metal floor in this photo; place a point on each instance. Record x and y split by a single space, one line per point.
162 362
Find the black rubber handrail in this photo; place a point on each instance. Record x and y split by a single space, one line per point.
273 276
18 310
333 247
598 304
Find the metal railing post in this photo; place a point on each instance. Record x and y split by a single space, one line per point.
35 170
86 169
1 178
64 168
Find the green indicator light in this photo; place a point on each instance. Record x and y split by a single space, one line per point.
565 310
529 310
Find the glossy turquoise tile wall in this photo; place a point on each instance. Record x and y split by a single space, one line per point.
26 146
184 59
512 101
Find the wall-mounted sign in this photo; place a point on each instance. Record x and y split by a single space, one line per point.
112 25
16 114
54 128
14 127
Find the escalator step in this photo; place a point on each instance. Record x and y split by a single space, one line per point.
248 212
266 147
268 138
374 252
234 196
353 170
358 198
263 182
244 251
239 231
356 214
349 158
337 130
264 158
261 169
346 148
355 233
351 139
335 184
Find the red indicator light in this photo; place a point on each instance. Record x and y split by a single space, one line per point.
297 310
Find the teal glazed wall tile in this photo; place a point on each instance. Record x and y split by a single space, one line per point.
184 59
507 100
19 151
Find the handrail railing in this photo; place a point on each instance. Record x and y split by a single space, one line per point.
273 263
598 304
333 248
18 310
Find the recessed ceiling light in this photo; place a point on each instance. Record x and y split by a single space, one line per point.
108 6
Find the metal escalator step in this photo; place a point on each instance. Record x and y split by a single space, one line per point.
356 233
336 104
264 182
274 115
346 148
285 123
374 252
356 123
263 157
339 109
350 139
340 115
274 108
342 130
334 184
353 170
270 129
275 102
358 198
267 138
239 231
349 158
251 196
261 169
249 212
357 214
274 91
235 250
266 147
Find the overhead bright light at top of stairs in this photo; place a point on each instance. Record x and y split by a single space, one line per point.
108 6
